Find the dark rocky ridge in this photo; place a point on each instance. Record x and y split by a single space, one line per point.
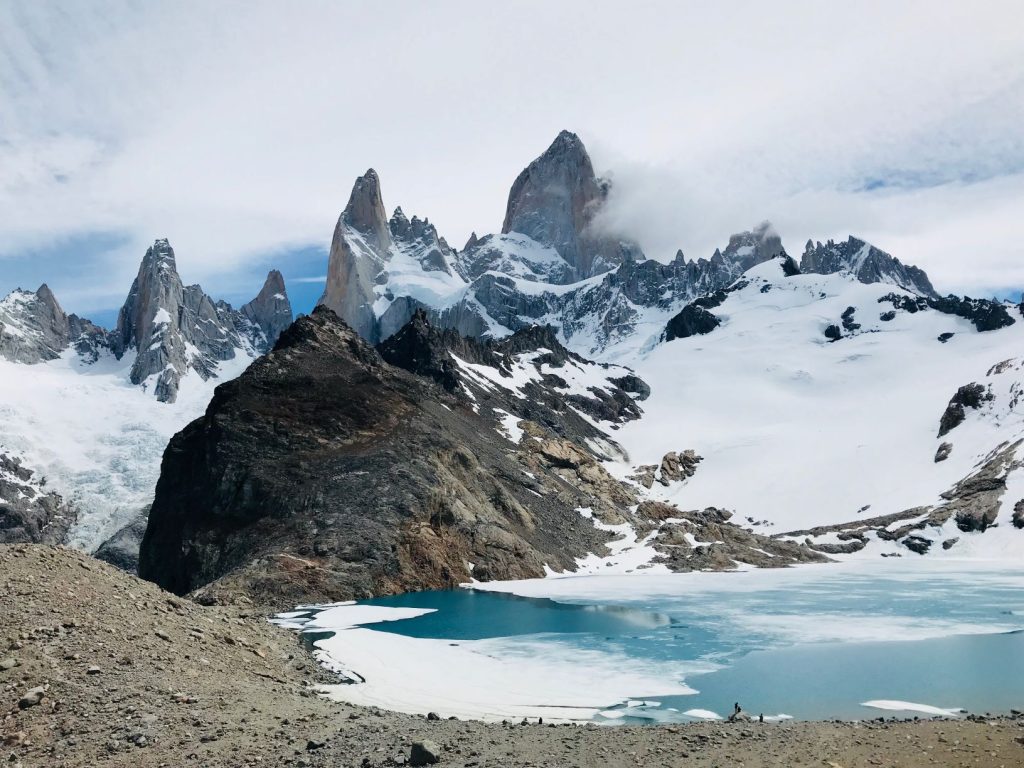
325 472
986 315
865 262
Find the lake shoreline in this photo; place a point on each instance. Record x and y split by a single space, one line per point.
134 676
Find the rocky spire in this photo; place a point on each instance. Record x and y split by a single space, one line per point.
365 211
270 311
555 201
360 251
174 329
33 327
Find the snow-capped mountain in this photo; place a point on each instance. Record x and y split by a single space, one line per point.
812 390
90 410
819 404
552 263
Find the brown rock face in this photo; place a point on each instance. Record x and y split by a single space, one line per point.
325 473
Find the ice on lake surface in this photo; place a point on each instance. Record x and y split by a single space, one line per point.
846 640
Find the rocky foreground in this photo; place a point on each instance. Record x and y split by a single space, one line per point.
99 668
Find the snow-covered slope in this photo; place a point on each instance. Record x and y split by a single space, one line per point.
798 431
91 410
95 436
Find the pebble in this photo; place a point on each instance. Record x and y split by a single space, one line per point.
9 663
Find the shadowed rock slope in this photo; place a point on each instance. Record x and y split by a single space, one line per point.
324 472
332 470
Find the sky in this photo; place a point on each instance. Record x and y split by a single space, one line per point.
237 129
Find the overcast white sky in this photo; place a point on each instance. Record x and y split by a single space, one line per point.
236 129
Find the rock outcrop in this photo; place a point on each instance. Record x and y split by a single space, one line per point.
122 549
971 395
29 513
986 315
865 262
324 472
692 320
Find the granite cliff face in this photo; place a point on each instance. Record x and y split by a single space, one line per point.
175 328
556 200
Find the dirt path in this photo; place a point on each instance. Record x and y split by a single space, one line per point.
133 676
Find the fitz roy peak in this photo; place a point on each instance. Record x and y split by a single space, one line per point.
554 262
556 201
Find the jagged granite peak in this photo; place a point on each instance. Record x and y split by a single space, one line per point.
365 210
33 327
270 311
473 240
175 329
418 238
865 262
555 201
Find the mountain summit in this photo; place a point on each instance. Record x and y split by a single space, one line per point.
555 201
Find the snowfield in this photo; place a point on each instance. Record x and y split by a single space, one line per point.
798 431
97 438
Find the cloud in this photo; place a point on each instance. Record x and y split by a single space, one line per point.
236 129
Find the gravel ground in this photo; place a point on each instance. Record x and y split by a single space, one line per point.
109 670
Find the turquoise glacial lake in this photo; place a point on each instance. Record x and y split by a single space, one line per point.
813 647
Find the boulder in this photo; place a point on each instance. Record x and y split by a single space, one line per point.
971 395
424 752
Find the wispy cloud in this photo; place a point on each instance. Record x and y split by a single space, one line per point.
236 129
